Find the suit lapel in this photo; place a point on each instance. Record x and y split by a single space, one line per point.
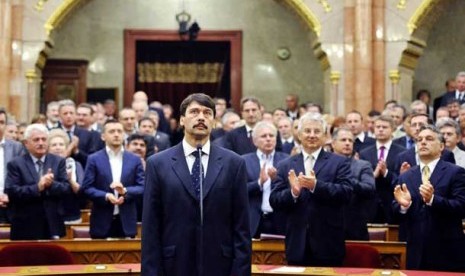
106 167
320 161
215 164
435 177
181 170
31 167
298 164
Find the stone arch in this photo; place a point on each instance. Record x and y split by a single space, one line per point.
419 26
63 11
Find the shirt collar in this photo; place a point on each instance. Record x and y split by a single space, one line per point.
289 140
431 165
110 152
260 155
361 136
188 149
387 146
35 159
314 154
2 142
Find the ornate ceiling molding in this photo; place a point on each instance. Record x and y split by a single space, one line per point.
59 15
304 12
422 12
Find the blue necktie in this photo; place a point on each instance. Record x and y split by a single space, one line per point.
410 143
195 175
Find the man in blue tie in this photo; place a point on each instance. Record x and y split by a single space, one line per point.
196 218
261 171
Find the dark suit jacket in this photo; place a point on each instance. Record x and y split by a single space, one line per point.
162 141
171 217
11 150
315 230
96 184
252 164
217 133
409 157
89 142
446 97
356 213
237 141
402 141
384 186
435 238
359 146
33 211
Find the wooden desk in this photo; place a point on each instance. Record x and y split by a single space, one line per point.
88 270
393 254
271 252
266 270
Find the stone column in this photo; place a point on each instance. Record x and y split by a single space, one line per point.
379 55
363 56
349 74
394 77
17 93
5 52
32 95
334 77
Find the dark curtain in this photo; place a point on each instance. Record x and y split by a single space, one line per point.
168 71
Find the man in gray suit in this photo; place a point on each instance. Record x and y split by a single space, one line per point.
8 150
363 184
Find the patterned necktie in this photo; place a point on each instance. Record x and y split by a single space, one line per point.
40 167
195 175
425 174
310 163
381 152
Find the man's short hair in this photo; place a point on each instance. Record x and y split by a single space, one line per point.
88 106
143 119
355 112
66 102
435 130
109 121
34 127
261 125
200 98
137 136
339 129
388 119
312 117
250 99
3 111
449 122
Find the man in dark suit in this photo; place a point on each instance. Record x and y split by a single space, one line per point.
430 198
409 158
229 122
458 94
9 149
312 189
354 121
113 180
148 126
356 213
292 106
35 184
187 230
285 132
407 141
261 170
82 142
383 157
450 88
239 140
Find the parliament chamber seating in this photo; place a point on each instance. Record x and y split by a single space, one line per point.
27 254
361 255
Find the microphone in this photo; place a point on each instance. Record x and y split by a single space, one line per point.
200 258
199 150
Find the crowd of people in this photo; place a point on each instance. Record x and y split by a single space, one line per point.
315 178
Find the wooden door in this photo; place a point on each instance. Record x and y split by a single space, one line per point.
64 79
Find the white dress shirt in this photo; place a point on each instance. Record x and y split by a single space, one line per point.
190 159
267 161
116 165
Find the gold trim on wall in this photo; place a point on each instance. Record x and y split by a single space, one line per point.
66 8
303 11
420 14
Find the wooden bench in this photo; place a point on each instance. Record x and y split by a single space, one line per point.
87 251
393 254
